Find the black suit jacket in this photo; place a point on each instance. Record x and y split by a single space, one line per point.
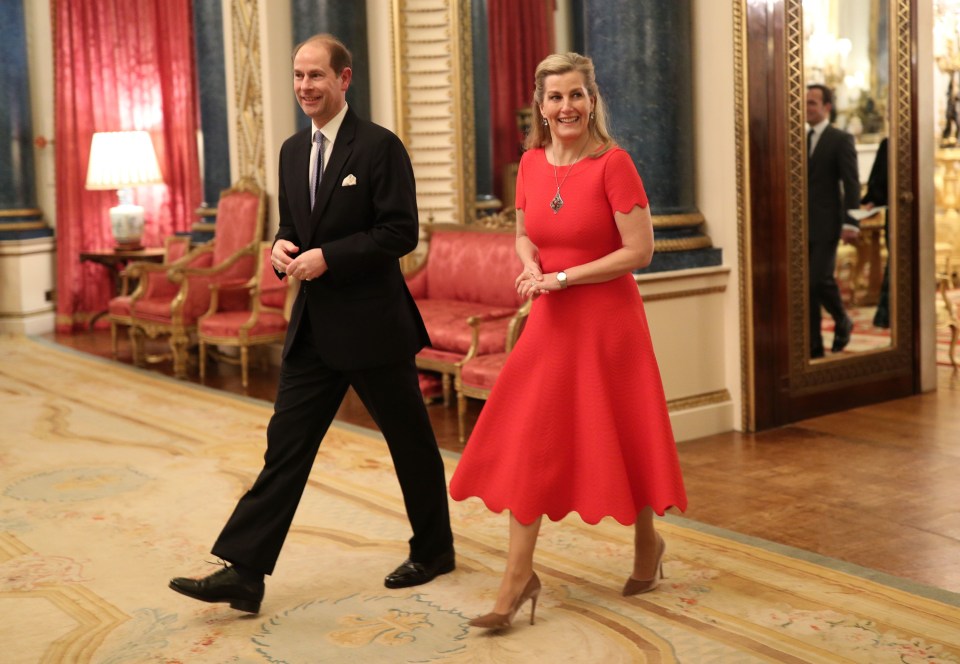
833 186
361 313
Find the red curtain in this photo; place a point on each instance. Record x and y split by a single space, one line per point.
120 65
521 35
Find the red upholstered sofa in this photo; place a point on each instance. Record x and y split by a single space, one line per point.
466 274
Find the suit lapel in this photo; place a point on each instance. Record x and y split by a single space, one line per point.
823 145
300 186
342 148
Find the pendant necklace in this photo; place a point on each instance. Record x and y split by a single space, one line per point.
557 201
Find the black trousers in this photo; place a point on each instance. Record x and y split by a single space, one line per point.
308 398
823 291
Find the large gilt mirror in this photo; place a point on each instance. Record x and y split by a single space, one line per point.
860 50
849 132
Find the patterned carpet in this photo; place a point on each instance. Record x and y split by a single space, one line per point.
113 479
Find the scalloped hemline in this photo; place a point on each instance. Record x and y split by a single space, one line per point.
592 519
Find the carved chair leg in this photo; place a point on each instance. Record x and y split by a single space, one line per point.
136 349
446 390
203 359
461 415
178 346
113 338
244 366
954 329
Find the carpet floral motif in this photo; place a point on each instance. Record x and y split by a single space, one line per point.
76 484
379 628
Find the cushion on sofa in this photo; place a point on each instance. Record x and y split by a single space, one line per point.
446 322
482 371
465 266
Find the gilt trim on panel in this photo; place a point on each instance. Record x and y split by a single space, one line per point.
742 134
248 91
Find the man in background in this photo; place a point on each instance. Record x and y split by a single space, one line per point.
833 187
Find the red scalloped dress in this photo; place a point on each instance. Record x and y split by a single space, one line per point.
577 420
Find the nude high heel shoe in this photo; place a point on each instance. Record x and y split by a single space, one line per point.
502 620
636 586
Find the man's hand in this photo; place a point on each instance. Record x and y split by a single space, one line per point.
283 252
308 265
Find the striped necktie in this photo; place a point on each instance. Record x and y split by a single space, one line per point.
318 167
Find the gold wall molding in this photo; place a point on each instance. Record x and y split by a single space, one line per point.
21 212
698 400
434 97
683 243
692 292
678 220
248 95
23 226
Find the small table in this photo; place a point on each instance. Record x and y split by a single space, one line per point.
116 260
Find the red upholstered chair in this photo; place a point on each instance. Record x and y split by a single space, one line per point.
118 310
262 321
466 273
228 259
476 374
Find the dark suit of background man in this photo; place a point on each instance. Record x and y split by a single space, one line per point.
833 187
353 323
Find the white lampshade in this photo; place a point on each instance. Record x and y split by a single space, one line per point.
121 160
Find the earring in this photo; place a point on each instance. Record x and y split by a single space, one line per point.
592 115
545 123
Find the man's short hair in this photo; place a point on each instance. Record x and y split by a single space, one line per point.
340 57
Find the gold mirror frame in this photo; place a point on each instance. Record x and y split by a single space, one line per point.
433 85
804 373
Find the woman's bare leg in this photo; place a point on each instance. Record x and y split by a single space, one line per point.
645 546
523 541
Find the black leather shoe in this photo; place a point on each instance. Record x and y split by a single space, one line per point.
412 573
225 585
841 334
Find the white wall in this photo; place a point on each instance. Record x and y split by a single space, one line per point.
716 168
380 47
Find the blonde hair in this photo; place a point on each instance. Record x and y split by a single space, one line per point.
563 63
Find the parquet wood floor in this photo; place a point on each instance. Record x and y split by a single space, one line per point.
877 486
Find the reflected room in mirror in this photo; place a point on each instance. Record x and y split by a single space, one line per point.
849 224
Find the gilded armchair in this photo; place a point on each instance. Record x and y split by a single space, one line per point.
228 259
154 283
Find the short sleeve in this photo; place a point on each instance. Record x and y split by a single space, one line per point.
623 185
521 197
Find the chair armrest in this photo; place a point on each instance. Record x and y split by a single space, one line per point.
232 286
476 322
180 272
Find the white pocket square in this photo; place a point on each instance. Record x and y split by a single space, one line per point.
349 181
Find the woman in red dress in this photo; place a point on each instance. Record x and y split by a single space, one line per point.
577 421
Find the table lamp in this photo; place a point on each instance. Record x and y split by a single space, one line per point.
122 160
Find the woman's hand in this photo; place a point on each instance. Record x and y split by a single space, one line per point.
534 287
528 280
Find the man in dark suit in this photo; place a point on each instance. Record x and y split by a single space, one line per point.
833 187
347 214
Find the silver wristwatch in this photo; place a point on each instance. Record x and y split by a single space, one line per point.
562 278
